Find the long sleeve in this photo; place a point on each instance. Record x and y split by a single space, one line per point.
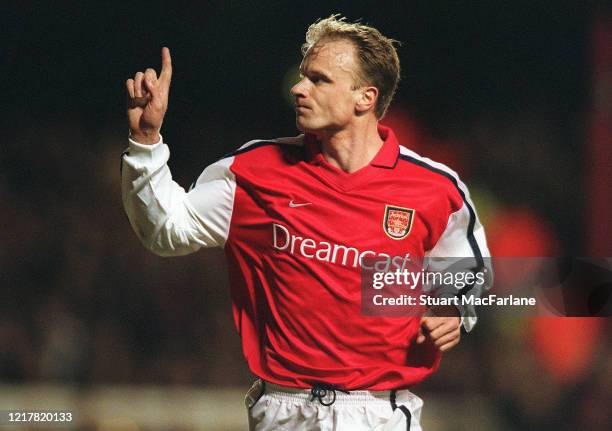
462 248
168 220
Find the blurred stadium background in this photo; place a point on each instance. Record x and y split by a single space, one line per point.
516 96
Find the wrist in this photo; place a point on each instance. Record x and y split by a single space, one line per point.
145 138
445 311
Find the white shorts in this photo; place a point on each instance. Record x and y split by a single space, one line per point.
273 407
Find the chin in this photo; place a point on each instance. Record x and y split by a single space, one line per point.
305 126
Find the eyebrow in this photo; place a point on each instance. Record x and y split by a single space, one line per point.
316 72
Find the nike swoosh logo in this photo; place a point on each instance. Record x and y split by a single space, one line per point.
295 205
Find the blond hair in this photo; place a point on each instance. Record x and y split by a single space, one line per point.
376 55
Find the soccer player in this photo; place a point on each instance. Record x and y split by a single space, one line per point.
297 217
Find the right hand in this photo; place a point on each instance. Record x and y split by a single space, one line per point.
147 101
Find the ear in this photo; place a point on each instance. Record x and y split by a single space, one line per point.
366 99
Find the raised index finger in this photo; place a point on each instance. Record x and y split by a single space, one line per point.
166 71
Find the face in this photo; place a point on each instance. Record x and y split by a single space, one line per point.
325 97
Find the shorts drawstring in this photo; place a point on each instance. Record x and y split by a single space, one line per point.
320 391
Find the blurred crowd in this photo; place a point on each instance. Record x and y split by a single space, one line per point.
82 301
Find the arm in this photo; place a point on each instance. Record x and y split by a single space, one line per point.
168 220
461 247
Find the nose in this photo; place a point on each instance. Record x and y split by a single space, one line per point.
299 89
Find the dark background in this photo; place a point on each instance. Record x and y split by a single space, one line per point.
501 91
466 67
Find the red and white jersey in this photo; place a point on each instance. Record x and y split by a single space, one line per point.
294 229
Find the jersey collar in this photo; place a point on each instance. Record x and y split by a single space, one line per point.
385 158
389 152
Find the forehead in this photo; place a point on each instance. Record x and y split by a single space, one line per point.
332 56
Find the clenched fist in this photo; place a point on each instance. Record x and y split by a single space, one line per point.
442 326
148 100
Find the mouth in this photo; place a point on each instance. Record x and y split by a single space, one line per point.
301 108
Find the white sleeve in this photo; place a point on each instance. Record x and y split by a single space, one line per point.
462 247
168 220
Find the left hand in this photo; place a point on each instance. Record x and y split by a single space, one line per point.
444 332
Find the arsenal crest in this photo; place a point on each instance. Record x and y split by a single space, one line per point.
398 221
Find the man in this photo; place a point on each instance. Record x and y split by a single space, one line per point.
297 217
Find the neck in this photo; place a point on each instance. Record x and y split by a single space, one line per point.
351 149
